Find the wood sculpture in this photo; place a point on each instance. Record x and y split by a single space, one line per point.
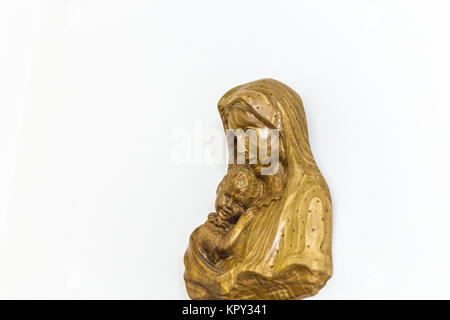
270 237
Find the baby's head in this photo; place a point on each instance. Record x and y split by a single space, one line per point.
237 192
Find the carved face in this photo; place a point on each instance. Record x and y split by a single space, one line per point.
259 140
228 208
237 192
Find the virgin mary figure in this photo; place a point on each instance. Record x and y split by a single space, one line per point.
270 237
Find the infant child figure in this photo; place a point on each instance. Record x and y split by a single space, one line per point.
236 194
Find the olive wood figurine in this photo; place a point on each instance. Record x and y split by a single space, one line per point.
270 237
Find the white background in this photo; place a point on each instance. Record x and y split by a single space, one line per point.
92 204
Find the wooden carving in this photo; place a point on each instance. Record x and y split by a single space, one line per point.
270 237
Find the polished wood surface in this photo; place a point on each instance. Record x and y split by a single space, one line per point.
270 237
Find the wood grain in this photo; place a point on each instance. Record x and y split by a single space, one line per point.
270 237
